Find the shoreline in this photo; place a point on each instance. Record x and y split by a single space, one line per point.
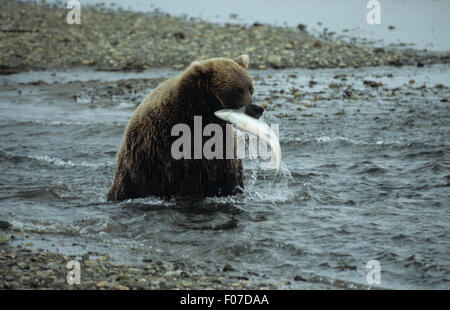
37 37
24 268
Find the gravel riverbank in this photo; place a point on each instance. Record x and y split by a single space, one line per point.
22 267
38 37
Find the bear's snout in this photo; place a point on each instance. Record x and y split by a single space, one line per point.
254 110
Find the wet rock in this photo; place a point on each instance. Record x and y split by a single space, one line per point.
275 61
44 274
179 35
227 268
141 283
312 83
103 258
317 44
372 83
5 225
334 85
301 27
299 278
4 238
102 284
123 277
122 288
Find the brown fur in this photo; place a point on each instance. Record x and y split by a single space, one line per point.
145 165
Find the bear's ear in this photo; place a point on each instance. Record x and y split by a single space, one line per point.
242 61
197 70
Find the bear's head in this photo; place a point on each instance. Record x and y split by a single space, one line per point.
225 83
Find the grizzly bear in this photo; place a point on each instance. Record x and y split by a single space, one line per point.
145 165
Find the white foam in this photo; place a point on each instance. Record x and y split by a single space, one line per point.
42 228
327 139
61 163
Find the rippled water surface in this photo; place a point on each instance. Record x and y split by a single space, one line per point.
365 178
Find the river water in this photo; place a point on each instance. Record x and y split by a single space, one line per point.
364 179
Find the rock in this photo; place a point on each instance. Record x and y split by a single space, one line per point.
179 35
342 64
334 85
4 238
5 225
123 277
372 83
301 27
11 285
312 83
141 283
236 285
102 284
227 268
44 274
299 278
275 61
103 258
178 66
122 288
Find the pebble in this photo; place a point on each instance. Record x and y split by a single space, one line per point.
123 43
122 288
4 238
103 284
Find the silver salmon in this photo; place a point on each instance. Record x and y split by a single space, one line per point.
256 127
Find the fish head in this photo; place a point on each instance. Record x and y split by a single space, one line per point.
254 110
